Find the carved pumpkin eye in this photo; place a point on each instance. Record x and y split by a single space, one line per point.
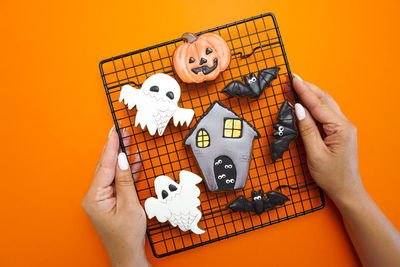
154 88
208 51
191 60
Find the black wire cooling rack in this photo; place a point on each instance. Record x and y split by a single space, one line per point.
255 44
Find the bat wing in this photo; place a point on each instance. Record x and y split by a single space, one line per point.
237 88
280 145
266 76
285 131
274 199
183 115
154 207
130 95
285 115
241 204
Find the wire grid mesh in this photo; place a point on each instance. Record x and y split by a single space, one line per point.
166 155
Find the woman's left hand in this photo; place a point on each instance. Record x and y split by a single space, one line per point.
114 209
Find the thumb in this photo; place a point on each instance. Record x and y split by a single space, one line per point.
312 139
124 185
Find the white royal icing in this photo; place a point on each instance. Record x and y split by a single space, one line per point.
155 109
179 206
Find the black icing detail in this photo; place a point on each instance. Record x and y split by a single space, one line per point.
208 51
154 88
172 188
191 60
170 95
206 69
164 194
224 173
258 205
203 61
253 86
285 131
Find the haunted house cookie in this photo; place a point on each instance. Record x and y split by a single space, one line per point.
222 142
253 86
285 131
201 58
176 203
156 102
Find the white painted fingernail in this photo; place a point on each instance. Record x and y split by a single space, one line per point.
112 129
123 163
300 112
297 76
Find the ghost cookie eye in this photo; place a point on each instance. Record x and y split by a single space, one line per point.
170 95
172 188
154 88
164 194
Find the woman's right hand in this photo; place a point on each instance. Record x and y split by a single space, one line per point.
330 142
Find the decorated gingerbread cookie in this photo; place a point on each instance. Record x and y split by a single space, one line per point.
285 131
253 86
222 142
201 58
176 203
156 102
258 203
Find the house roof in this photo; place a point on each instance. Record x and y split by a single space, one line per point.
206 113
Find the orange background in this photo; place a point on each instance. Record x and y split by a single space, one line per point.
56 118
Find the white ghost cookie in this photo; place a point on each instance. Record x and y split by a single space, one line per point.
156 103
176 203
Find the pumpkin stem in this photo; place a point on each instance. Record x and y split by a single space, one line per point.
189 37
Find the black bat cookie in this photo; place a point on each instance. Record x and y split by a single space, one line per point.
258 204
253 86
285 131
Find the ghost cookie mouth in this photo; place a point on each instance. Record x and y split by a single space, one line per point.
206 69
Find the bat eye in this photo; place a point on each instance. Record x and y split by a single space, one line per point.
172 188
154 88
208 51
191 60
164 194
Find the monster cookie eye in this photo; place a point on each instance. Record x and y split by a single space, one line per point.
172 188
208 51
191 60
154 88
164 194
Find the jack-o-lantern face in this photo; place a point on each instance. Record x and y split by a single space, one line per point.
201 58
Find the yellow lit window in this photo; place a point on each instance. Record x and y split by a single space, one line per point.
233 128
203 139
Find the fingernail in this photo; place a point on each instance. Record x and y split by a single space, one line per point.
123 163
300 112
112 129
297 76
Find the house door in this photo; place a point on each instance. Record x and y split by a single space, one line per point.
224 173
